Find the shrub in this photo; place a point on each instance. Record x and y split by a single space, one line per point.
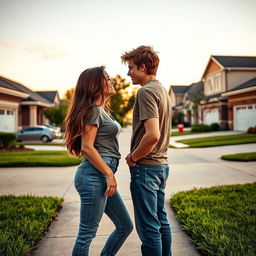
7 139
215 127
251 130
200 128
186 124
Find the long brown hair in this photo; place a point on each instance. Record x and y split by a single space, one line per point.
88 89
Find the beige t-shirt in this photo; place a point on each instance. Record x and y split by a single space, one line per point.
152 100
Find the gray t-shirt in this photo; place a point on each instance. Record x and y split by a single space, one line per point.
152 101
106 141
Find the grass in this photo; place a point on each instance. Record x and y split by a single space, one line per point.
24 219
182 133
220 140
37 158
244 157
220 220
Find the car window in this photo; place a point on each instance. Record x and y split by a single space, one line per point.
29 130
38 129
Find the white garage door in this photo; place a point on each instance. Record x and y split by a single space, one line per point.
7 120
211 116
244 117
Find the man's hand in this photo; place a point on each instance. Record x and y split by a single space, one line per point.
129 161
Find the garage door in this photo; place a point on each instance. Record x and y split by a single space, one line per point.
211 116
244 117
7 120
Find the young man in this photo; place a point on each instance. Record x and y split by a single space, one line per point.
148 156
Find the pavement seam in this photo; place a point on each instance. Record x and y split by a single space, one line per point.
238 170
66 191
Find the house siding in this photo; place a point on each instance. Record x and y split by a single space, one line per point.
235 77
212 67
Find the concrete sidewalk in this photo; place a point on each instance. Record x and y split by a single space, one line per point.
189 168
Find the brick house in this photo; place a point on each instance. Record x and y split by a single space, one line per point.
223 76
21 107
187 100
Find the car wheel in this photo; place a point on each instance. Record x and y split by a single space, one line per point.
44 139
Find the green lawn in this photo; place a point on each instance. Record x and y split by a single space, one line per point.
37 158
220 140
182 133
24 219
244 157
220 220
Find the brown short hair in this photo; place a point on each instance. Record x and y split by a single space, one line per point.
143 55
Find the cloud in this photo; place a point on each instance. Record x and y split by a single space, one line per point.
47 51
9 45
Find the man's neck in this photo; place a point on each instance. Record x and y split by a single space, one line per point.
147 79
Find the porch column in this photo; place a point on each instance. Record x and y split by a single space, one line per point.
32 115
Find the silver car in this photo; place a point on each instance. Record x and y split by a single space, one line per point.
55 128
36 133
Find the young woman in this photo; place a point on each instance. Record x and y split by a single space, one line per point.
92 132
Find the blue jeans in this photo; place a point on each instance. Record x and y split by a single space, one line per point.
147 189
91 185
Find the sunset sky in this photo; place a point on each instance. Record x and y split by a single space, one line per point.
46 44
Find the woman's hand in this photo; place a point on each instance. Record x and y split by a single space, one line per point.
111 185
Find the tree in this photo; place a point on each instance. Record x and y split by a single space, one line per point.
122 102
56 114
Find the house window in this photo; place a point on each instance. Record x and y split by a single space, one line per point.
1 111
213 84
10 112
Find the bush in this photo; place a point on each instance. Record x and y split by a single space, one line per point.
251 130
215 127
200 128
7 139
186 124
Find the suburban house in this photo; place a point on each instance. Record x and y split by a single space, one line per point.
187 100
228 94
21 107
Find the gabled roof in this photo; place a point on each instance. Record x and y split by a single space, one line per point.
12 85
248 86
236 61
232 62
48 95
179 89
194 90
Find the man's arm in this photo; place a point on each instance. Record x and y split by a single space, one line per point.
147 143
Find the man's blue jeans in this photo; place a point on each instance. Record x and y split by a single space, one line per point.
147 189
91 185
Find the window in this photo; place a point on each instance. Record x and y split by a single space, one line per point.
10 112
1 111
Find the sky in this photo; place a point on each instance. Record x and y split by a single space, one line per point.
46 44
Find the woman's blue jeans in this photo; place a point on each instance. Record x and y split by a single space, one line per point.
147 189
91 185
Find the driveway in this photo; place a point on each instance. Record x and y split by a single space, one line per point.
197 167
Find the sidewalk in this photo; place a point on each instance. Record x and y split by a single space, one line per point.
189 168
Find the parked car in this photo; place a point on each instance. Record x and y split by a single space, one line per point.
56 129
36 133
